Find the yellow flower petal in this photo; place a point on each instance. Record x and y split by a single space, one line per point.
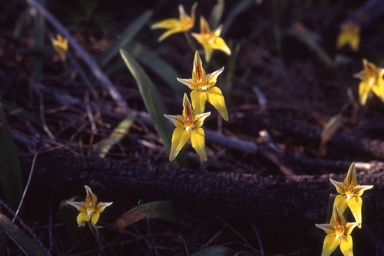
198 142
81 206
101 206
198 72
338 185
346 245
337 217
188 82
179 138
82 218
176 120
364 90
185 23
90 200
198 101
216 98
330 244
378 88
355 205
349 227
351 176
212 78
199 119
341 203
359 189
95 218
328 228
166 24
219 44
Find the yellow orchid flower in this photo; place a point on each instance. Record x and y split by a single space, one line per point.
210 40
338 233
188 128
183 24
350 194
203 88
60 45
371 80
89 210
349 35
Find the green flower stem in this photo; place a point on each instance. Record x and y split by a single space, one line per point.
141 202
190 43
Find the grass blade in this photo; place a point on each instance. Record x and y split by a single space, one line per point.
103 147
215 251
26 244
158 66
153 210
154 105
216 14
128 34
300 32
10 172
329 132
242 6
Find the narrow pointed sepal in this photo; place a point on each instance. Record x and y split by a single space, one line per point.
216 98
199 98
179 138
346 245
355 205
198 142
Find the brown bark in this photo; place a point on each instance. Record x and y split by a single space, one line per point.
302 197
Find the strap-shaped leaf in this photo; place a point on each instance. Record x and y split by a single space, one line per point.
154 105
215 251
157 65
128 34
10 172
25 243
103 147
153 210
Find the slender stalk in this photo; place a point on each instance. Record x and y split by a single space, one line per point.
26 187
189 41
141 202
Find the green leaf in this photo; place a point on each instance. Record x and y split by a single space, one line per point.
328 132
157 65
153 210
215 251
10 172
25 243
154 105
21 112
103 147
128 34
80 235
241 7
216 14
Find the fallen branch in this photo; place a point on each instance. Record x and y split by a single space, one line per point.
92 65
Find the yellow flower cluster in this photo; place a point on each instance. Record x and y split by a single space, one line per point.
210 40
188 125
338 230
